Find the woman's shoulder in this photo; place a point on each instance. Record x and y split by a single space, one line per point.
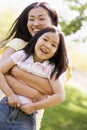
16 44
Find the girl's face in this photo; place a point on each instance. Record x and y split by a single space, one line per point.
38 18
46 46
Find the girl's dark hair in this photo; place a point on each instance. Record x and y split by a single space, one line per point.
19 28
59 60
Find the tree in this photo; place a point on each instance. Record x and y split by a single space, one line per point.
70 27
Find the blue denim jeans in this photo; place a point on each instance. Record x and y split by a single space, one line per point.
14 119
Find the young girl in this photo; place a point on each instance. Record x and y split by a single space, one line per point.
46 51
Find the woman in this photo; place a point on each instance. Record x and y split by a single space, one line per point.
45 55
35 17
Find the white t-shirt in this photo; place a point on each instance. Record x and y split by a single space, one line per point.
41 69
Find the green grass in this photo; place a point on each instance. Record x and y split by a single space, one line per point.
71 115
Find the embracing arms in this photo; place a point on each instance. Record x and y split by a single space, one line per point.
36 82
57 98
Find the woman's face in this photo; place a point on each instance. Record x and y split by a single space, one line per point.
46 46
38 18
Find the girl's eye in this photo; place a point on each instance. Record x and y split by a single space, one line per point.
41 19
54 45
45 39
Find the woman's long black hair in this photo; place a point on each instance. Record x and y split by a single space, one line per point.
59 60
19 28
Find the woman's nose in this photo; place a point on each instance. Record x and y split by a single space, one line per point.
36 22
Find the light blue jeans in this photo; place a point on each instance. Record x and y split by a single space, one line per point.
14 119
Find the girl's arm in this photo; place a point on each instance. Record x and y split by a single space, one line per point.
57 98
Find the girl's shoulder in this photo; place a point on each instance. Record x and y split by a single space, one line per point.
18 56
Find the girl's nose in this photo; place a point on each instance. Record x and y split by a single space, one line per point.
48 45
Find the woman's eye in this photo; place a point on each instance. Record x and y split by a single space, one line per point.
41 18
31 19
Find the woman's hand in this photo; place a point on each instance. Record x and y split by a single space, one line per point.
28 108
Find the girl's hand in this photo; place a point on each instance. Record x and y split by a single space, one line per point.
14 100
28 108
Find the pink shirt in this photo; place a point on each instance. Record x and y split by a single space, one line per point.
41 69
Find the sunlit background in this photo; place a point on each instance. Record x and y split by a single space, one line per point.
76 41
71 15
62 8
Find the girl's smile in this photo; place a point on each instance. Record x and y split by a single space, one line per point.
46 46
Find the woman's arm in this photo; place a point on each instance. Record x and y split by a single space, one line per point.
36 82
57 98
5 66
6 54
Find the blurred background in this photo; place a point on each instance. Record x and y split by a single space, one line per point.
72 114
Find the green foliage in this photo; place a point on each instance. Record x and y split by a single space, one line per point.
71 115
74 25
68 27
